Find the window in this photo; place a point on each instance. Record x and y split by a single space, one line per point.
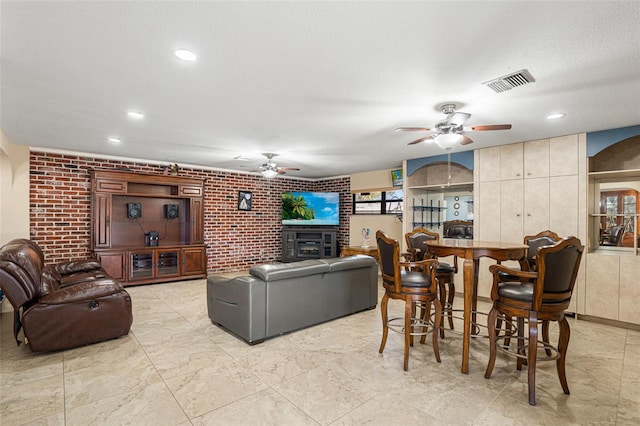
378 202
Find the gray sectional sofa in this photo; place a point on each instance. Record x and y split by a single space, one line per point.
277 298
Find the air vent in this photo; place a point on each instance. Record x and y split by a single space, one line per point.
508 82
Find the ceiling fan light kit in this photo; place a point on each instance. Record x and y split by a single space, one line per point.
270 170
269 173
448 133
448 140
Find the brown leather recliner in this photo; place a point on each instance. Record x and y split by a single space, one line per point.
63 305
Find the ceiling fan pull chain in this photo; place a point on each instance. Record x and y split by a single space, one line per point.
448 167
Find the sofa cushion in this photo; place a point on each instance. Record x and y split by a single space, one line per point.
283 271
349 262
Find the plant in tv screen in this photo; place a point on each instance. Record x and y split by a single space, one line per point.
295 207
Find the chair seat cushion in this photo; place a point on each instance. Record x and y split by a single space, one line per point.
521 292
445 267
516 291
414 279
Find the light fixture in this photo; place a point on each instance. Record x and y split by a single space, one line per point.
185 55
136 115
269 173
448 140
114 140
555 116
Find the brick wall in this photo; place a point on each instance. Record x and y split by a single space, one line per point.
60 209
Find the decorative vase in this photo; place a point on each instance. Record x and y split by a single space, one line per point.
365 233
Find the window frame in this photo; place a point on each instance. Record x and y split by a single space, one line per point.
382 201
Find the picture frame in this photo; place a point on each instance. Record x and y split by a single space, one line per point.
396 177
244 200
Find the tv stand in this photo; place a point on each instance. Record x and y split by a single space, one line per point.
308 243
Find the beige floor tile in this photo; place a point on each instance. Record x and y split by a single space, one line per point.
325 393
149 404
207 389
38 401
266 407
176 368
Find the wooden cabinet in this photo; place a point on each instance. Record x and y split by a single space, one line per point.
193 261
511 166
536 159
113 262
534 194
171 206
537 189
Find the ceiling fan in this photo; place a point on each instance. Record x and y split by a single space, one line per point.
269 169
449 132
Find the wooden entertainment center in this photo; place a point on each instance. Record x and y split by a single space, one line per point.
148 228
308 243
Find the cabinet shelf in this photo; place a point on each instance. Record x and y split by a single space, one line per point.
118 237
428 208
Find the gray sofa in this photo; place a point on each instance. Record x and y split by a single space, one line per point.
277 298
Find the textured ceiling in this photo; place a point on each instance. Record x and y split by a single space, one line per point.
323 84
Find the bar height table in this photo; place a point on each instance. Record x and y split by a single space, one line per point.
472 251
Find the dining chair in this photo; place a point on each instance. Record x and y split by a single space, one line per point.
544 238
445 273
541 295
415 283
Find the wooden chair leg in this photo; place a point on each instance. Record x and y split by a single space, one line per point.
545 336
520 361
563 344
426 314
443 300
532 355
411 316
409 306
493 334
436 326
450 297
385 317
507 329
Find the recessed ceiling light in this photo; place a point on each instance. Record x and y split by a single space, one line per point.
185 55
136 115
115 141
555 116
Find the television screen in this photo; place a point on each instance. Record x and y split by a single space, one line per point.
310 208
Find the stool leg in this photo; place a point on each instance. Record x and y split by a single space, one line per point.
563 344
532 355
385 321
493 333
438 319
409 306
450 296
443 300
545 336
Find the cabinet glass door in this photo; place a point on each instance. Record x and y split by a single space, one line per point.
141 265
168 263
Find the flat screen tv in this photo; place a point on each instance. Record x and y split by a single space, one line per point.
310 208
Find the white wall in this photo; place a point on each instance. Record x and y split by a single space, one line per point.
379 180
14 194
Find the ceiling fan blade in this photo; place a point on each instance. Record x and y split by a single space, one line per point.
465 140
288 168
491 127
412 129
458 118
426 138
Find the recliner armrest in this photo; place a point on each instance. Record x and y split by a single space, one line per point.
82 291
75 266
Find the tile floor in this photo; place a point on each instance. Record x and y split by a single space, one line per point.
176 368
